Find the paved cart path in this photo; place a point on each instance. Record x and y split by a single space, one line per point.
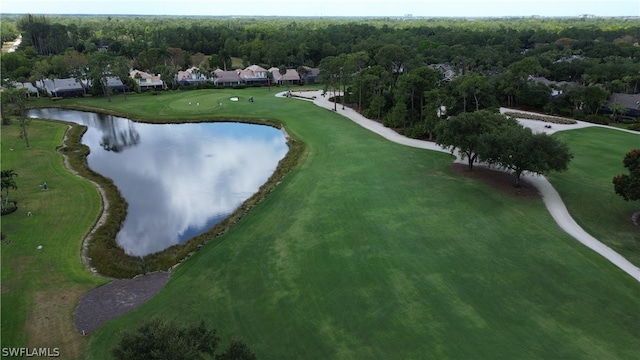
550 196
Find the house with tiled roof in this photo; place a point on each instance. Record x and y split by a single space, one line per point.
227 78
254 74
147 81
291 76
191 76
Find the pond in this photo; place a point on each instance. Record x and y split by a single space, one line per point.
179 180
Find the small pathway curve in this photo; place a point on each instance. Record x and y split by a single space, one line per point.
550 196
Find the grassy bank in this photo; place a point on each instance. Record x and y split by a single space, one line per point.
587 190
40 287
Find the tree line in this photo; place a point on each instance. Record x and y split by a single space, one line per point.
407 74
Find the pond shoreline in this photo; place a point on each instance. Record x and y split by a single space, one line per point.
86 260
100 252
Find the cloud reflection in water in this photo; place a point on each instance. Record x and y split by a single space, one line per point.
178 179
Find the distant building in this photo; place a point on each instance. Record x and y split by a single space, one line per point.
113 83
291 76
191 76
227 78
629 101
147 81
557 87
310 76
26 85
448 72
68 87
254 74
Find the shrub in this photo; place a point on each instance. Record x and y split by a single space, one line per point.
417 131
10 207
597 119
163 339
634 127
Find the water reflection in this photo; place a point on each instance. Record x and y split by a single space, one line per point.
179 179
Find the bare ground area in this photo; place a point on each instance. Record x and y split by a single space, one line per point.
48 322
116 298
495 178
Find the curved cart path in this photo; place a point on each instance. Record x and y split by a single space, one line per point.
550 196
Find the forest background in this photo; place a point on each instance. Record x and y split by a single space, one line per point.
399 71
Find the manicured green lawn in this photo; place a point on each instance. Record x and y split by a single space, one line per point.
373 250
369 250
598 158
41 287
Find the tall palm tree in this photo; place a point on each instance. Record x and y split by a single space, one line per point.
617 109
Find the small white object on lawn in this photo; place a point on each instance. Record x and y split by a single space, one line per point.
39 247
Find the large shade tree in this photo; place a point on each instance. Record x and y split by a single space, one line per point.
465 131
517 149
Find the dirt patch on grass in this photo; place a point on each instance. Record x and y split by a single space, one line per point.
497 179
49 322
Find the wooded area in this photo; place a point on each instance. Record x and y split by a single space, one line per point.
402 72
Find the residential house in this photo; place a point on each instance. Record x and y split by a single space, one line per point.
448 72
227 78
68 87
191 76
291 76
147 81
114 84
311 75
31 90
557 87
254 74
630 101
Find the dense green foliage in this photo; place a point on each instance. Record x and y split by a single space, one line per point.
380 64
8 182
159 339
517 149
466 132
628 185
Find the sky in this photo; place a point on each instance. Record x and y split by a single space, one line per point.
386 8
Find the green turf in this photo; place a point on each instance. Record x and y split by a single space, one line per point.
373 250
366 250
40 287
587 190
